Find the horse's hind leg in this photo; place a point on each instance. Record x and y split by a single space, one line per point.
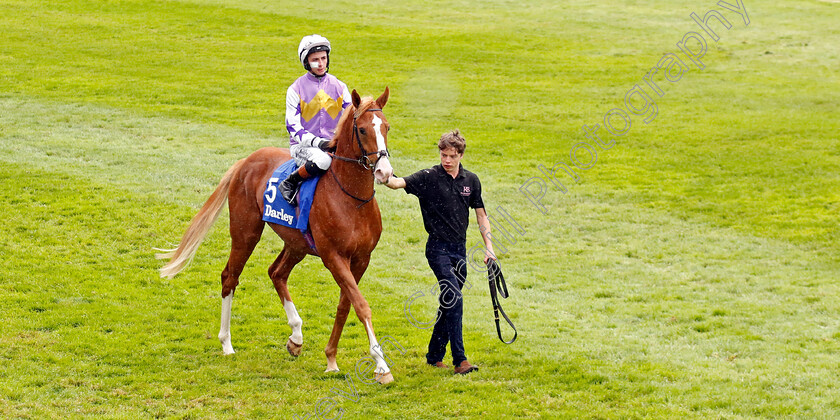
338 326
245 232
279 274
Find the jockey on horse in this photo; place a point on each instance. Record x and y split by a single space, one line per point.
314 104
345 230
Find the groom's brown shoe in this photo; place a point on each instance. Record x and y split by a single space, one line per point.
465 367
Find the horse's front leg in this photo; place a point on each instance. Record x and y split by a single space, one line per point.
382 373
349 288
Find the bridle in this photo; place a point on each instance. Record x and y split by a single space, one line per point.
363 160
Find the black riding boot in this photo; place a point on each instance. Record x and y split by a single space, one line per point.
290 186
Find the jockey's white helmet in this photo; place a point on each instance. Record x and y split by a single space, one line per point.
310 44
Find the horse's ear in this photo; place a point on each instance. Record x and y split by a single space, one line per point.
356 99
382 100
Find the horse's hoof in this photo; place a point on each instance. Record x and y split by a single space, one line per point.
294 349
331 370
384 378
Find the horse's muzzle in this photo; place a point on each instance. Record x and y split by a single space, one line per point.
383 169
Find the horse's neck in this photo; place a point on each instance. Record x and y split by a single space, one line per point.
353 178
350 176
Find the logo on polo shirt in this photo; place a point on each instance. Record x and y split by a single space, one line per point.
466 191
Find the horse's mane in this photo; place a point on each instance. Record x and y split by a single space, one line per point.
351 112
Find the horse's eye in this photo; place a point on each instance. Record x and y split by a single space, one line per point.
363 131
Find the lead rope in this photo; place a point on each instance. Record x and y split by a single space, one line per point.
494 274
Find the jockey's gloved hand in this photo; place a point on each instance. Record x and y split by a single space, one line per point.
322 144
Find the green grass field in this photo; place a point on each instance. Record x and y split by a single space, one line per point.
691 273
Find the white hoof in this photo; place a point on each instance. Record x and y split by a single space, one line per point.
384 378
332 366
227 348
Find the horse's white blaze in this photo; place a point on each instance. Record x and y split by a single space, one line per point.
294 321
224 330
376 351
377 127
383 165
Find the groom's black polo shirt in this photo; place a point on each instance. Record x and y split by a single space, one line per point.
445 201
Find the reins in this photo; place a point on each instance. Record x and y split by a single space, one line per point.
363 160
494 275
363 201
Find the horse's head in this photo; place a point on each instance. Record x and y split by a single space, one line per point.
370 131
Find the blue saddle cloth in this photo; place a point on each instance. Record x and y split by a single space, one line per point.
280 212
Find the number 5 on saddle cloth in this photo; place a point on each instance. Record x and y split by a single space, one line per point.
278 211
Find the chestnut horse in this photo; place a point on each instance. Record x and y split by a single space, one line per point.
345 223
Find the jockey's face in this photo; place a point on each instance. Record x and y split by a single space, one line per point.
450 159
318 63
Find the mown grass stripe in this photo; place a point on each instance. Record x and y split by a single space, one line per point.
691 274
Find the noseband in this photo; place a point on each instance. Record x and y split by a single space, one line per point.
363 160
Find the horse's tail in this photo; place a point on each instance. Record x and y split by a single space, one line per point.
180 256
